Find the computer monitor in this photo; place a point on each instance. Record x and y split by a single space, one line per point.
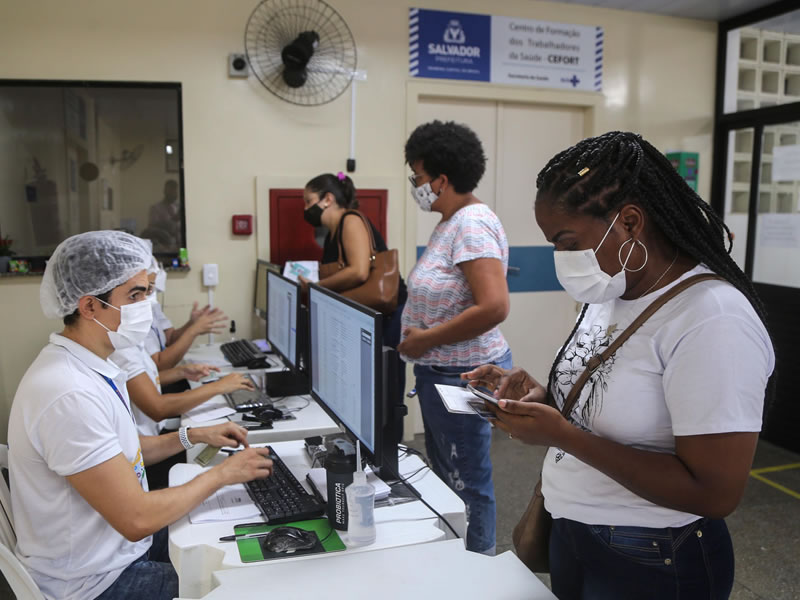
347 372
283 312
260 303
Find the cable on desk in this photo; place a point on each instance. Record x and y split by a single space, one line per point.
293 409
421 499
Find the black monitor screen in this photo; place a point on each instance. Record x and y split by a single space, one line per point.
283 305
346 345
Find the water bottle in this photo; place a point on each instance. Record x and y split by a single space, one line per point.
360 506
339 467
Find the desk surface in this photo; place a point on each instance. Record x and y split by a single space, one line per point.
196 552
310 420
440 570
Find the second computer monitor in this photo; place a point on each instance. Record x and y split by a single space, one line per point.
283 307
260 303
346 364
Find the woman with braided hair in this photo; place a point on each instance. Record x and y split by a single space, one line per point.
657 448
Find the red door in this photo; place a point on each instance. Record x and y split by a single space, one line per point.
291 238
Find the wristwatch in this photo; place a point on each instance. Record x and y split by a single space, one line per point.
184 438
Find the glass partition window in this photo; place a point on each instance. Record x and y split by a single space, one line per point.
737 189
763 64
777 244
78 157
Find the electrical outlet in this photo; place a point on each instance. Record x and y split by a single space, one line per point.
210 275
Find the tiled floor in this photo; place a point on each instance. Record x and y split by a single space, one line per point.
765 528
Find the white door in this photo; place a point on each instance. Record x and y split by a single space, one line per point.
518 140
542 315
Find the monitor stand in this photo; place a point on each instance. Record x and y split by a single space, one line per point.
286 383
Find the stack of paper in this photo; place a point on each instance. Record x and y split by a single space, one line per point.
208 411
231 503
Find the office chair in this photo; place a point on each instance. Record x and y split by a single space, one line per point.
16 575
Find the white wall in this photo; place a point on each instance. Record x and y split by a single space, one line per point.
659 80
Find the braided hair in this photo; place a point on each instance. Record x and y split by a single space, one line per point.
598 175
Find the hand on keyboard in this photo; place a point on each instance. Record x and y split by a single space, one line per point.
196 372
246 465
224 434
234 381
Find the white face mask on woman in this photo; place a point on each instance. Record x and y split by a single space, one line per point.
580 274
134 325
423 195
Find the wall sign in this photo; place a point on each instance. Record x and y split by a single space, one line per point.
466 46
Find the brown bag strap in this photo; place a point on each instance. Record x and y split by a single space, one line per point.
598 359
373 247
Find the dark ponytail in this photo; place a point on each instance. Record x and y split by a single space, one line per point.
341 186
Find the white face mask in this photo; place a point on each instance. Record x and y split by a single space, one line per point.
134 325
424 196
580 274
161 281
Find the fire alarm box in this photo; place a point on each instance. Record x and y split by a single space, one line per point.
242 224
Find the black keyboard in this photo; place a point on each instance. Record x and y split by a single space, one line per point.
281 498
243 353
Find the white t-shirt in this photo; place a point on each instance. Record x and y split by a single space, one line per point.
156 339
133 362
699 365
65 419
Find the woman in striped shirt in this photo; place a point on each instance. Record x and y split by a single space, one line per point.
457 297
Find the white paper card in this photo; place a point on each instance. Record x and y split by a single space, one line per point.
786 163
460 400
307 268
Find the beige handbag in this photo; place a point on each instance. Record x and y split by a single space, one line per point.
380 289
531 536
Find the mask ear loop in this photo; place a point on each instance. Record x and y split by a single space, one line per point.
627 258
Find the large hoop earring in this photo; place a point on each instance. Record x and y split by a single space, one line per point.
619 255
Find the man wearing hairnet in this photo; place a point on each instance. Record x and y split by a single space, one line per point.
87 526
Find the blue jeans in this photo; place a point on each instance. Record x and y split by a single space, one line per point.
458 448
150 576
597 562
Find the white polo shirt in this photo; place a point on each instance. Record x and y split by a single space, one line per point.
66 418
134 361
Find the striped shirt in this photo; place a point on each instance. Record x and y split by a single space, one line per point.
438 291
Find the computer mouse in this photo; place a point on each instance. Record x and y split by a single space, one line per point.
259 363
287 540
268 413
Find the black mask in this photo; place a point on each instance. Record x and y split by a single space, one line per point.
313 215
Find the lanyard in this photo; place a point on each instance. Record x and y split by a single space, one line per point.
110 382
158 336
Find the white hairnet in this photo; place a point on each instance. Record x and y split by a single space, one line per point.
153 267
89 264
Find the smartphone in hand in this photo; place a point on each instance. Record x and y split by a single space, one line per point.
483 393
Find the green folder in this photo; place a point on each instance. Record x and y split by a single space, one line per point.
251 549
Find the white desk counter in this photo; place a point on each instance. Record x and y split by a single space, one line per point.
196 552
441 570
309 421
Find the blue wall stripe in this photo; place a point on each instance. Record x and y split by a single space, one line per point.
537 273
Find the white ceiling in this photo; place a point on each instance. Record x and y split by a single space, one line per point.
713 10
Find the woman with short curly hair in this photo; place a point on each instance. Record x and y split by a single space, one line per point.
457 297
